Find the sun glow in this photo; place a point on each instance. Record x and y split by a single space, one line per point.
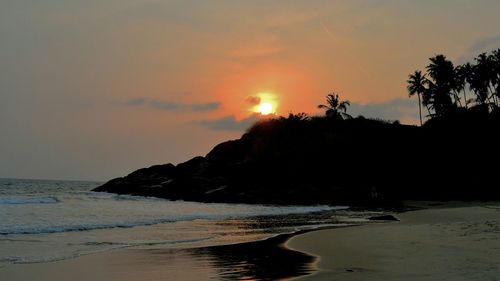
265 108
264 103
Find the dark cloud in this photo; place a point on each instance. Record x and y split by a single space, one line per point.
209 106
252 100
136 101
173 106
481 46
164 105
397 109
229 123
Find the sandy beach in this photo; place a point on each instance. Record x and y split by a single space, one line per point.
258 260
448 242
451 242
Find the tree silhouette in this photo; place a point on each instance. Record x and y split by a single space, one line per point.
441 87
416 85
461 74
480 79
335 108
495 77
442 73
295 118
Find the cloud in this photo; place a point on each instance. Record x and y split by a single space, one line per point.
136 101
253 100
481 46
164 105
173 106
229 123
209 106
404 110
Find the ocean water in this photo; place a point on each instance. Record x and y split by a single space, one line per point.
45 220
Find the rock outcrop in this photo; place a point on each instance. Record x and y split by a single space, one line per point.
323 161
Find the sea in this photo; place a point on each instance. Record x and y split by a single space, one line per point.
52 220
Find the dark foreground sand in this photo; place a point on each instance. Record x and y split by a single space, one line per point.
442 243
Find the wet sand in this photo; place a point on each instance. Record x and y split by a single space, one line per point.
259 260
442 243
121 265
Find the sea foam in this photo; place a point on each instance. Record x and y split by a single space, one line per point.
27 200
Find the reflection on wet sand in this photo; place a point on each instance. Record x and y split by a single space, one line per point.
260 260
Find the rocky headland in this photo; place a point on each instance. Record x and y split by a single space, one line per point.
322 160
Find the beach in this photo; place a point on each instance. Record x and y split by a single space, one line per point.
257 260
61 230
449 242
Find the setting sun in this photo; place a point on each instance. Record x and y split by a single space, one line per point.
265 108
264 103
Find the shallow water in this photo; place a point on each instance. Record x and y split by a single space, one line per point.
43 221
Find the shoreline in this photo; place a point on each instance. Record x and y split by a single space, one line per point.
257 259
264 259
381 250
449 241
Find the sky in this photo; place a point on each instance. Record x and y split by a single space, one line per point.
95 89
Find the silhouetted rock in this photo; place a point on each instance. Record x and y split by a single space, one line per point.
323 160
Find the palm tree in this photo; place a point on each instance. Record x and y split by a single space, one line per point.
442 72
335 107
427 97
495 61
480 80
462 72
416 85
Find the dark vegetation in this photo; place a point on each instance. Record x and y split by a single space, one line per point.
338 159
468 91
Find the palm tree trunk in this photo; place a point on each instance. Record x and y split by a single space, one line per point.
428 110
465 99
457 99
419 109
495 101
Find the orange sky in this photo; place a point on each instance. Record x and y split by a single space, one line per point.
95 89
